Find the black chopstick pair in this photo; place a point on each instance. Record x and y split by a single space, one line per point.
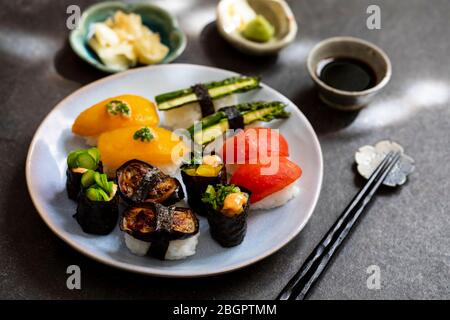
298 287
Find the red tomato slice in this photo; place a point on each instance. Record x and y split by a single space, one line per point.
254 143
251 177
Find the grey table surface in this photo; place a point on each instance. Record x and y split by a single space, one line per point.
406 232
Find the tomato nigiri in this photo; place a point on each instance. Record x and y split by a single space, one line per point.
271 184
254 144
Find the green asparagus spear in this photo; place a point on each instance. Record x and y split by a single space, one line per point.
216 124
216 89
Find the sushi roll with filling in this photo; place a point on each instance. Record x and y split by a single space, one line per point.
183 107
139 182
97 210
166 233
197 175
227 207
79 162
269 190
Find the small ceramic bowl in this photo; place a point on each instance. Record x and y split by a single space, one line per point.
233 14
156 18
348 47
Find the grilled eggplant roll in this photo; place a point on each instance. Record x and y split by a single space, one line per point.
140 182
162 232
198 175
227 207
78 162
98 205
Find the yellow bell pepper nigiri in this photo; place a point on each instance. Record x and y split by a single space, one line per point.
114 113
156 146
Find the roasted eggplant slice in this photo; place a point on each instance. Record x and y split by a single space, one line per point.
140 182
184 223
140 221
151 222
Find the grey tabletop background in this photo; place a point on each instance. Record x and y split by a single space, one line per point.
405 232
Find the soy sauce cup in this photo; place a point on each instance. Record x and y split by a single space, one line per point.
352 49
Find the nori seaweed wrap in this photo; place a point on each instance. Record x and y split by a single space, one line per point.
98 204
140 182
227 211
197 180
97 217
78 162
73 183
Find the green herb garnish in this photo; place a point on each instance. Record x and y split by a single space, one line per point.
215 196
118 107
143 134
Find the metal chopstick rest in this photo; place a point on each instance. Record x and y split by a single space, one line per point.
312 268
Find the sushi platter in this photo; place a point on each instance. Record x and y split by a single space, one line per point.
177 176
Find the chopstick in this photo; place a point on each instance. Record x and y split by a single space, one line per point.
299 285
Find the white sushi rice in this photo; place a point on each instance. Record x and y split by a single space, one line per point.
91 140
278 198
185 116
136 246
178 249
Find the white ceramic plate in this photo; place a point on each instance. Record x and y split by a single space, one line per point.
267 231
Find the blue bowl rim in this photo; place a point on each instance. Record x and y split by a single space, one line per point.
128 7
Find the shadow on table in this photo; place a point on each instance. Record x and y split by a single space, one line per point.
223 55
323 118
71 67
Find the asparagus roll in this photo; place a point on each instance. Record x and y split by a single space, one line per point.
166 233
97 210
198 175
139 182
215 90
227 207
183 107
78 162
236 117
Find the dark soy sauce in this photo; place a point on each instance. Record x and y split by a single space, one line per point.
346 74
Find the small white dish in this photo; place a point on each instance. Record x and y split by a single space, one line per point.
267 231
233 14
